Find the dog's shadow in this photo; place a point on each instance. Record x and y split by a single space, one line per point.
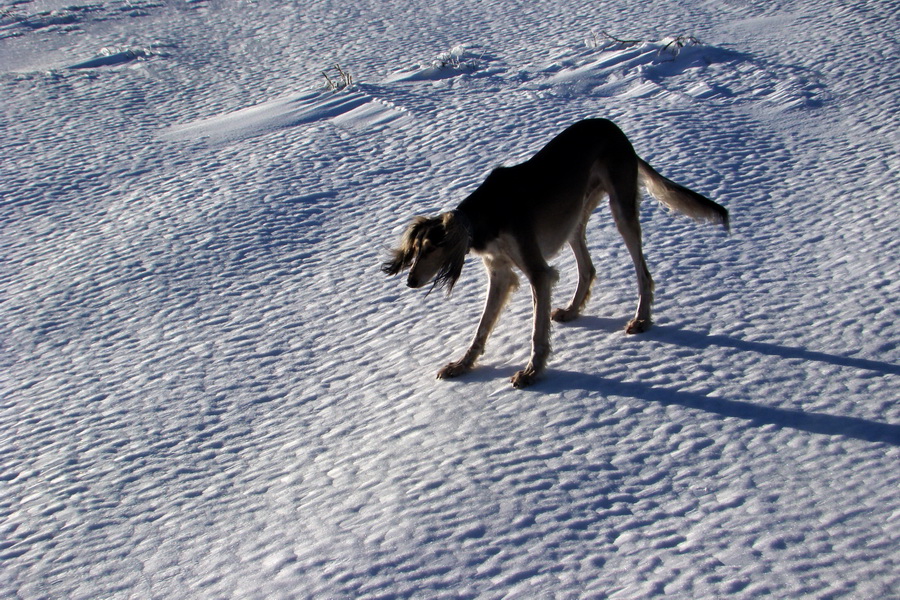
675 335
560 380
595 323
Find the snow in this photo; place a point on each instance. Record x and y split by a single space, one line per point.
208 389
350 108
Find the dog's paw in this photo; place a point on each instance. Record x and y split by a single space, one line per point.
638 326
564 315
524 378
454 369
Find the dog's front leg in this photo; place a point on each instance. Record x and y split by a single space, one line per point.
541 287
501 281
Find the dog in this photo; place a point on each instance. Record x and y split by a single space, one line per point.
521 216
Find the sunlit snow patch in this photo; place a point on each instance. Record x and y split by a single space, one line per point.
352 109
459 60
677 66
634 69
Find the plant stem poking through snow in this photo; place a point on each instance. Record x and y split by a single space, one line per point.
673 45
340 78
458 58
608 40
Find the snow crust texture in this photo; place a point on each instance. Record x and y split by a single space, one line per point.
209 390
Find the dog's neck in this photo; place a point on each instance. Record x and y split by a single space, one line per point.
466 223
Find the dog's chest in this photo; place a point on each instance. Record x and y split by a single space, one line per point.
503 248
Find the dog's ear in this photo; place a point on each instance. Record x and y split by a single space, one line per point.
402 257
455 243
396 263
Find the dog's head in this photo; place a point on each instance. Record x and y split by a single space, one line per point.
433 249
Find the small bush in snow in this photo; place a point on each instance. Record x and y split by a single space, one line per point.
675 44
457 58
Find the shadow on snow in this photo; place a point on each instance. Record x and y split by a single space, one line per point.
673 335
811 422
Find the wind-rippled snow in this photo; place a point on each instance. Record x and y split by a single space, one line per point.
209 389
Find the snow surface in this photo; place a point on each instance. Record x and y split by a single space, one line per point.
210 391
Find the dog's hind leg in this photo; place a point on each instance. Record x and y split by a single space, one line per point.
623 200
586 275
501 281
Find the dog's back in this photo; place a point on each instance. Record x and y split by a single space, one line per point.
552 192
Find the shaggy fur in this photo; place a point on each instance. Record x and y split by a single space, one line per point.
521 216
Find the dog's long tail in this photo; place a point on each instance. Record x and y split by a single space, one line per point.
680 199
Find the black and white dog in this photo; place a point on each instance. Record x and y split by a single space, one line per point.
523 215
